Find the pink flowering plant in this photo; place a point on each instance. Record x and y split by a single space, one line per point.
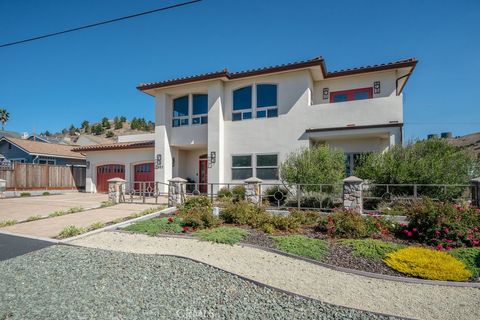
442 224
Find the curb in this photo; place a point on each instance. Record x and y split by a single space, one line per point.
342 269
55 241
120 225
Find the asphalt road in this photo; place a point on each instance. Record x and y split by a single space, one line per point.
12 246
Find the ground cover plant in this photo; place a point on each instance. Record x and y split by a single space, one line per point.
470 257
302 246
427 264
7 223
371 248
71 231
33 218
156 226
227 235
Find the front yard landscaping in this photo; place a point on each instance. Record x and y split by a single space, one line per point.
440 241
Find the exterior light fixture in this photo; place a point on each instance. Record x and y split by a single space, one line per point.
158 162
88 164
325 93
376 87
212 159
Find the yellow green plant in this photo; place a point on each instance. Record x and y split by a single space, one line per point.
427 264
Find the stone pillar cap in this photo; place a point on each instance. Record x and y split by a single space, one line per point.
116 180
475 180
253 180
3 180
177 179
352 179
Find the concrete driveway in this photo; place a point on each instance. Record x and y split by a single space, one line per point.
20 209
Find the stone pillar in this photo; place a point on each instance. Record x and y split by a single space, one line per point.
176 191
116 190
253 190
353 194
3 187
475 186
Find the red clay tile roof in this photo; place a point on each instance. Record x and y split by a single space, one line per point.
45 149
116 146
317 61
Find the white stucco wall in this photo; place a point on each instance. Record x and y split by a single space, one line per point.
129 158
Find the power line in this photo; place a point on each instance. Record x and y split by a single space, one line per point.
99 23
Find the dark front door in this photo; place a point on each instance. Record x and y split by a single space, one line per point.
203 175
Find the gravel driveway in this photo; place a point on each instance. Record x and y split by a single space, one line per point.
340 288
65 282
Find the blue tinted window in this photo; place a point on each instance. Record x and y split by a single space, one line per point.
196 120
340 97
237 116
204 119
184 122
266 95
272 113
180 107
200 104
361 95
261 114
176 123
242 98
247 115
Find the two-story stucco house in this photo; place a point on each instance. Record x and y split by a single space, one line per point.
224 127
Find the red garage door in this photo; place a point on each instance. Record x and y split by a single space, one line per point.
106 172
144 173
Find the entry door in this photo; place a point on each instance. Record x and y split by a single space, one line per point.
203 175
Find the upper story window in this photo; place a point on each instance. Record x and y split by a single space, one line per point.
266 102
199 109
242 104
180 112
351 95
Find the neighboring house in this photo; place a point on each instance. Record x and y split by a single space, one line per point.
86 140
47 139
26 151
224 127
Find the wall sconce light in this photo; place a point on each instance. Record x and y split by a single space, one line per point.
376 87
173 162
158 162
212 159
325 93
88 164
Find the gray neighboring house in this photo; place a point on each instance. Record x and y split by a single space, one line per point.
26 151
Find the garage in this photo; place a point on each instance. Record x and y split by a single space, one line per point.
144 172
107 172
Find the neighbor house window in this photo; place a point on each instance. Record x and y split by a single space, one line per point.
242 104
351 95
199 109
267 101
242 167
47 160
267 166
180 112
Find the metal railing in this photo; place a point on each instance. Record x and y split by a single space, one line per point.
144 191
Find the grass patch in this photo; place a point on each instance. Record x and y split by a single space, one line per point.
371 248
46 193
71 231
156 226
96 225
7 223
106 204
228 235
64 212
470 257
302 246
33 218
25 194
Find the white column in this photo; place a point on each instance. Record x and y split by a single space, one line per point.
163 171
216 132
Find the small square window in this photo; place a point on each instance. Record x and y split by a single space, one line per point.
184 122
237 116
272 113
261 114
176 123
204 119
196 120
247 115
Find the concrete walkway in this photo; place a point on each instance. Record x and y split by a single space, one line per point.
21 209
390 297
51 227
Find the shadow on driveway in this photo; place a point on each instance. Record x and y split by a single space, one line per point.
12 246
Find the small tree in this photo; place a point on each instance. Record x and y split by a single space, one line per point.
72 130
109 134
318 165
97 129
4 117
432 161
85 125
105 123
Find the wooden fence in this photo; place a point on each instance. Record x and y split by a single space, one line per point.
27 176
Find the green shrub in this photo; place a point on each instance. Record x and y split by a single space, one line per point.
284 223
371 248
309 218
302 246
46 193
75 210
199 218
433 161
443 224
238 193
71 231
33 218
25 194
470 257
427 264
226 235
244 213
195 202
224 193
345 223
7 223
156 226
96 225
318 165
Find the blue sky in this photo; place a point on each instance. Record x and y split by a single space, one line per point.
52 83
